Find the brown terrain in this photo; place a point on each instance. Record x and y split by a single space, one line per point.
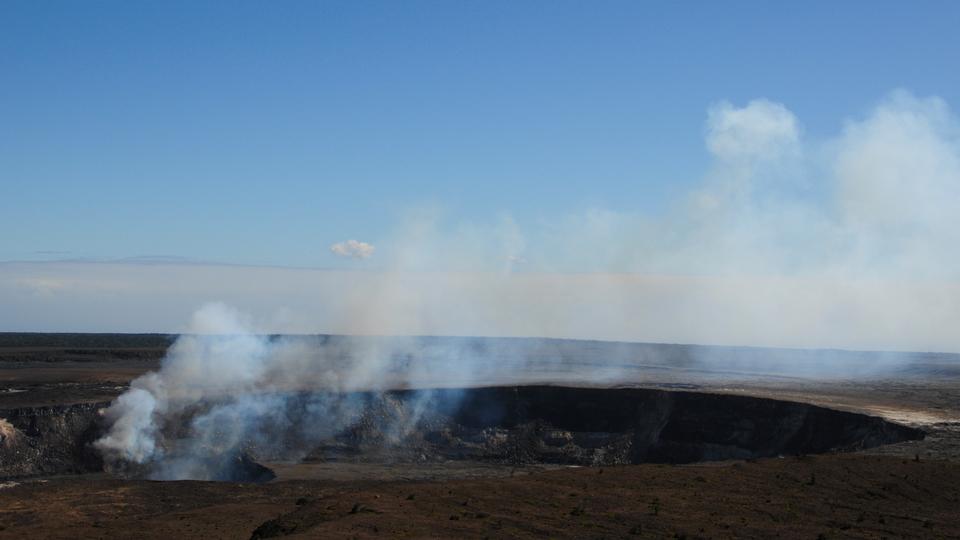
691 481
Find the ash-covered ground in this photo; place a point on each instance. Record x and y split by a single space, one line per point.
570 404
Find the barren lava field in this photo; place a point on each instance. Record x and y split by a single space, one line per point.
862 454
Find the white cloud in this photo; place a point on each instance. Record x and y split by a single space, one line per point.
353 249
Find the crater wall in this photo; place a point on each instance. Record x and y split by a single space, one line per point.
587 426
512 425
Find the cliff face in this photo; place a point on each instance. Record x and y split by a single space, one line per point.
509 425
540 424
49 440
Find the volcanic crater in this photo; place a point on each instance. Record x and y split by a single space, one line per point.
508 425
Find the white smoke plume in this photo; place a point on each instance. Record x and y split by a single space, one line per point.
223 389
353 249
219 387
760 131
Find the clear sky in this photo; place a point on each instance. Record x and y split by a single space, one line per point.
263 132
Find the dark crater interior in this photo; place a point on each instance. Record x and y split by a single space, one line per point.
586 426
507 425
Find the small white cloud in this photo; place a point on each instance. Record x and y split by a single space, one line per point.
353 249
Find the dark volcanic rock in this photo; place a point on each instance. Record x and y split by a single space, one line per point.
587 426
242 468
508 425
49 440
230 466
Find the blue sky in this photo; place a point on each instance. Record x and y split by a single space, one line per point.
738 173
261 133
